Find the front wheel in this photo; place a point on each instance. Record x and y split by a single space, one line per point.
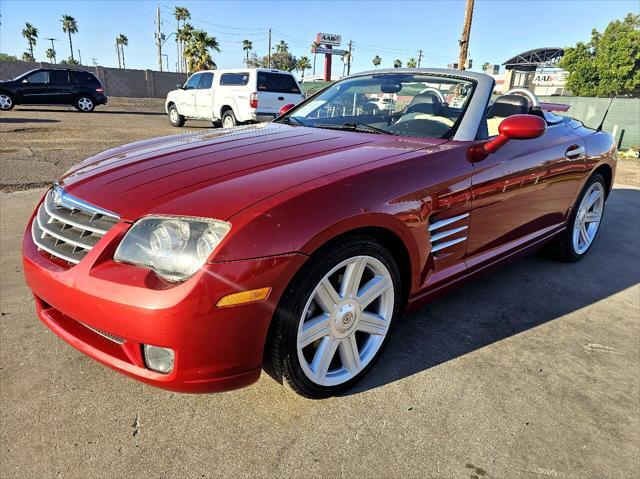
229 119
84 104
584 222
6 102
175 118
334 318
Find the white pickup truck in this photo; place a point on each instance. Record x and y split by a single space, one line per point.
230 97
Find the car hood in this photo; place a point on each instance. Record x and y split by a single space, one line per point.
218 173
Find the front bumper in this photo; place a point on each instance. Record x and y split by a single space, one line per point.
216 349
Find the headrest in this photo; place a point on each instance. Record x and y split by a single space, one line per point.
507 105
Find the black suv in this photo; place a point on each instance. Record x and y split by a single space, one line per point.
49 86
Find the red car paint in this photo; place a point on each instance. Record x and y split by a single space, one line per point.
287 191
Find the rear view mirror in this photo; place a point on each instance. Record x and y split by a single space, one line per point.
391 87
516 127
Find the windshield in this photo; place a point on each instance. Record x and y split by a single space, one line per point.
392 103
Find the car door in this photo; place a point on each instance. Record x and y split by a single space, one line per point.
187 97
204 96
523 191
34 88
59 87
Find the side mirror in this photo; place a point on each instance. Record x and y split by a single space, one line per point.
25 81
516 127
179 86
286 108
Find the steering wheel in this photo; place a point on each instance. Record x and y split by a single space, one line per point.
535 103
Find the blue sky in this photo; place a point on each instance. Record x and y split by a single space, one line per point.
391 29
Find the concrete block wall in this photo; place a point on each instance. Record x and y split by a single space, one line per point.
116 81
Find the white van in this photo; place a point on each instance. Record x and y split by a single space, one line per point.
230 97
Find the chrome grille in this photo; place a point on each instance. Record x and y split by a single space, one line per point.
104 334
67 227
438 233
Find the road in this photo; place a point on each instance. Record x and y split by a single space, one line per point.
532 372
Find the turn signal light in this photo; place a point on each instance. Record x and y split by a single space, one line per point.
253 100
244 297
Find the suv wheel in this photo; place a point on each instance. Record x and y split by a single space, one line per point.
175 118
333 321
6 102
228 119
84 104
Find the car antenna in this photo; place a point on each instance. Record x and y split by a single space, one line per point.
604 117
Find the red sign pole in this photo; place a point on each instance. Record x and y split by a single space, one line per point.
327 64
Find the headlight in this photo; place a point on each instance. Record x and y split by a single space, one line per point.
174 247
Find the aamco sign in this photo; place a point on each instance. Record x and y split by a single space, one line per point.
328 39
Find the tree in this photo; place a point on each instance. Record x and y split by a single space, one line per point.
247 46
69 26
70 61
303 64
282 47
121 42
397 63
31 34
376 61
184 36
485 65
51 54
26 57
609 64
412 63
197 51
180 14
4 57
314 45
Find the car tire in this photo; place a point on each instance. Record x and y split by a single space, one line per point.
584 222
308 327
229 119
216 123
6 102
84 104
175 118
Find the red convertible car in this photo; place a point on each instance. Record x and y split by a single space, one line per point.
194 261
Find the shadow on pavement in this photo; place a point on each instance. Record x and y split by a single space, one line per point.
96 111
28 120
519 297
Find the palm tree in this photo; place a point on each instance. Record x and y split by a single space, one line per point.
314 45
282 47
412 63
31 34
376 61
184 35
247 46
397 63
69 26
26 57
303 64
121 42
180 13
51 54
197 51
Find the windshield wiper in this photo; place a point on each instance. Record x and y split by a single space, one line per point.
288 120
366 127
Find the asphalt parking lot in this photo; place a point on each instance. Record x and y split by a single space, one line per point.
531 372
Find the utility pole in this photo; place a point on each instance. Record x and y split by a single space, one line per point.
269 52
53 48
79 57
159 38
349 58
419 58
466 30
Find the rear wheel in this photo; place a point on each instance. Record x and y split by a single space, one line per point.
584 221
334 318
229 119
175 118
84 104
6 102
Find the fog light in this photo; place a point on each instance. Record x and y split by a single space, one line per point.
158 359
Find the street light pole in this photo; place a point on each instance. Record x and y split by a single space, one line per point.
466 30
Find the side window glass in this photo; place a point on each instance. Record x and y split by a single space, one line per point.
38 78
58 77
192 84
206 80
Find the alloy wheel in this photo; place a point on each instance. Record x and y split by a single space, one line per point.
345 320
5 102
174 115
228 122
588 218
85 104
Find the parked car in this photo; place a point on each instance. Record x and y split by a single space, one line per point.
192 261
232 97
48 86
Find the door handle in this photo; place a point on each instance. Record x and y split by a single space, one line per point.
281 98
575 151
